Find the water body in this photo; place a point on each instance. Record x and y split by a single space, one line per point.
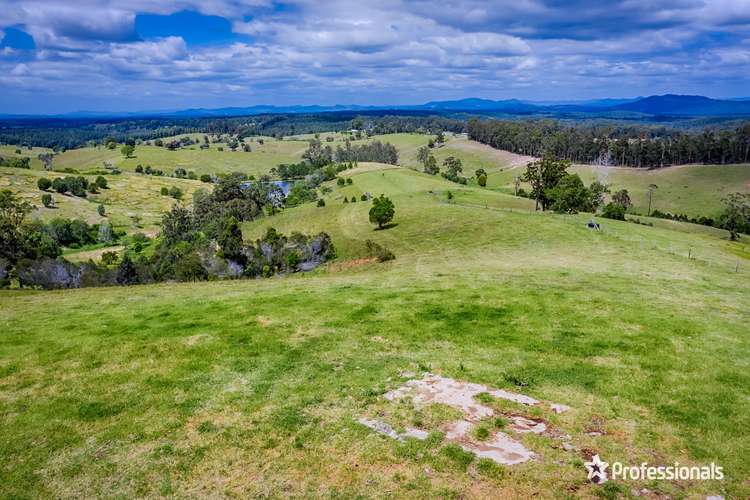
284 185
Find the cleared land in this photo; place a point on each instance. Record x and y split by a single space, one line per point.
254 388
132 202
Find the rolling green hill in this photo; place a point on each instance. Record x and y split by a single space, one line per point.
254 387
132 202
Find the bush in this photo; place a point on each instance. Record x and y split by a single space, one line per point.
321 202
482 180
164 191
109 258
340 181
43 183
101 210
205 178
101 182
47 200
379 251
139 169
175 193
349 181
614 211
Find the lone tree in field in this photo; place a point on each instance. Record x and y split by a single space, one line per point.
544 175
127 150
736 215
382 211
422 154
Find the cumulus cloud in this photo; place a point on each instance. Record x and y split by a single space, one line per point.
393 51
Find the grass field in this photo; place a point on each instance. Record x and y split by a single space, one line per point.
128 195
695 190
253 388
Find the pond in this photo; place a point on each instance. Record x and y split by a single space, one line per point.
284 185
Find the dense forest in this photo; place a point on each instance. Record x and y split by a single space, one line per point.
632 146
62 134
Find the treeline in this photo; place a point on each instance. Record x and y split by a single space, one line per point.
632 146
61 134
201 243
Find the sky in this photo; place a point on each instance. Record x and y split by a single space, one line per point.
110 55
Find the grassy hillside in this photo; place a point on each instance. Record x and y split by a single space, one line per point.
259 161
253 388
132 202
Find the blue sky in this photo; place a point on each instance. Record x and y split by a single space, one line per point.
107 55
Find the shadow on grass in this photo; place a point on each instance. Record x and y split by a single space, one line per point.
387 226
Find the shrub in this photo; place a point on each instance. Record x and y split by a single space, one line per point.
363 197
101 210
482 180
175 192
126 272
346 200
164 191
349 181
205 178
292 260
321 202
47 200
59 185
379 251
614 211
139 169
43 183
340 181
101 182
109 258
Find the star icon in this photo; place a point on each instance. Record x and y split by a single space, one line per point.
597 468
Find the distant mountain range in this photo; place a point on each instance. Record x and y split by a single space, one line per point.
669 105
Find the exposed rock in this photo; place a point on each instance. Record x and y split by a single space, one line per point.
387 430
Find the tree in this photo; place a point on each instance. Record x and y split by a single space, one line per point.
736 215
164 191
382 211
230 241
12 214
59 185
569 195
321 202
101 210
622 198
126 272
651 189
139 169
101 182
597 190
109 258
482 180
175 193
544 175
422 154
127 150
46 159
431 166
205 178
43 183
47 200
